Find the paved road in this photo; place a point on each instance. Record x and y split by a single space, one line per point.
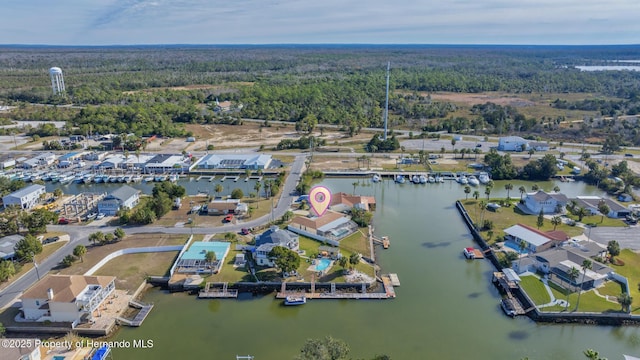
80 234
627 237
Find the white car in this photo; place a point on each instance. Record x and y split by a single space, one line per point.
100 216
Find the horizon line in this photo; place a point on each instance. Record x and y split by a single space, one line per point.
322 44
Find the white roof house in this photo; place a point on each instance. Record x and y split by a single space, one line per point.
513 143
166 162
536 240
234 161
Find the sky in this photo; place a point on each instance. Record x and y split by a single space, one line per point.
130 22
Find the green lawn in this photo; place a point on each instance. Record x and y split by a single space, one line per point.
535 289
357 242
630 270
612 288
599 221
231 274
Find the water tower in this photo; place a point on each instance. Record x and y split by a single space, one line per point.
57 80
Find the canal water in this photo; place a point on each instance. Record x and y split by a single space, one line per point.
446 307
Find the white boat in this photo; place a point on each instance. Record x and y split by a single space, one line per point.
469 253
126 179
376 178
66 178
431 180
400 179
473 181
88 178
136 178
484 178
159 178
174 178
295 300
423 179
415 179
98 179
463 180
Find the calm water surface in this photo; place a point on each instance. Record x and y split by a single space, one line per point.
446 308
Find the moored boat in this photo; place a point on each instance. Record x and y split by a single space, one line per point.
400 179
473 181
469 253
295 300
423 179
463 180
376 178
484 178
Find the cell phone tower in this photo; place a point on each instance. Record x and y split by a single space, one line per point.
57 80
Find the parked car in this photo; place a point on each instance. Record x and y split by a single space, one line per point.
245 231
228 218
628 155
63 221
100 216
50 240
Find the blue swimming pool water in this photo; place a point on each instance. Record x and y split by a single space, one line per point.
322 264
515 247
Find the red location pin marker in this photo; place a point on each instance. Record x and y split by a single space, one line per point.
319 198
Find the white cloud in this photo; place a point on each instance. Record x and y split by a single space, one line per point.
328 21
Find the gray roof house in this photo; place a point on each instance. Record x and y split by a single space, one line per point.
549 203
124 197
557 263
271 238
591 203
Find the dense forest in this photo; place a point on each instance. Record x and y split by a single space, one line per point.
110 87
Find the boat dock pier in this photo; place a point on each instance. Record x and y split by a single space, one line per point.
145 309
204 177
258 178
384 241
217 290
334 293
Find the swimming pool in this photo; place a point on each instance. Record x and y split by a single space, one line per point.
323 264
514 246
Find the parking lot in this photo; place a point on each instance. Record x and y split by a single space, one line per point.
628 237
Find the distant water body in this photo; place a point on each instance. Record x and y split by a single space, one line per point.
608 68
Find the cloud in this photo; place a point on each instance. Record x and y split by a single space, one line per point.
302 21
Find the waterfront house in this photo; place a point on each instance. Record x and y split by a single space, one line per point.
557 264
342 202
549 203
66 298
329 228
125 197
234 161
227 206
7 163
535 240
591 203
112 162
25 198
513 143
625 198
271 238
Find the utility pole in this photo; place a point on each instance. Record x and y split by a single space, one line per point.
386 104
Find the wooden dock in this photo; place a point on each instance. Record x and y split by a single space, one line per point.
394 279
478 254
217 290
336 294
145 309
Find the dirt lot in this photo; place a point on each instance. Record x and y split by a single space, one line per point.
473 99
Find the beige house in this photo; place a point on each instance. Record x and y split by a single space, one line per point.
229 206
66 298
329 228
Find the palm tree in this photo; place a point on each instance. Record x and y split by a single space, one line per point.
483 206
476 194
582 212
625 301
355 185
522 245
586 265
556 188
522 190
592 355
487 191
573 275
79 251
535 187
555 221
218 188
508 187
604 209
571 206
531 152
467 191
257 188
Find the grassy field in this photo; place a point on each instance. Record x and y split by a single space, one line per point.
131 269
535 289
508 216
357 243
